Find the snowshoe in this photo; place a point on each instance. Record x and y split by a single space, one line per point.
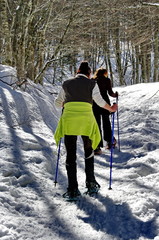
72 196
93 188
110 145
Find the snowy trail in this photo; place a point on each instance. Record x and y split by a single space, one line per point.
31 207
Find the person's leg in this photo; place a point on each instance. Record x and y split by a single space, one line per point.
70 144
107 132
97 115
89 159
91 182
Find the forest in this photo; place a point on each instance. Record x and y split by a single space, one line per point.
41 35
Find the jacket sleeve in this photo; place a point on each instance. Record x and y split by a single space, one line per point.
110 90
97 97
59 101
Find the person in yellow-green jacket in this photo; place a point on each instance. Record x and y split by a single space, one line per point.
76 97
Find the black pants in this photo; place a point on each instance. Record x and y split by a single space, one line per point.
102 117
71 165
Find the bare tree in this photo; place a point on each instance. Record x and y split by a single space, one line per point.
120 35
5 38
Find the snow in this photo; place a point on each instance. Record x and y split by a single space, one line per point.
32 208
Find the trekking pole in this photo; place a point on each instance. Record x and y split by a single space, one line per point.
111 153
57 164
118 125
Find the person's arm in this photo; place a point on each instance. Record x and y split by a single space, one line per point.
112 108
59 101
110 90
100 101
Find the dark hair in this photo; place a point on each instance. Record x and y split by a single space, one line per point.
100 72
84 68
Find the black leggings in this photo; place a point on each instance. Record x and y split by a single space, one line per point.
102 117
71 166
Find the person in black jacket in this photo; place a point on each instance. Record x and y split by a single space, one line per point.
104 84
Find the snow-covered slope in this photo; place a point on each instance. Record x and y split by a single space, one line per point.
31 207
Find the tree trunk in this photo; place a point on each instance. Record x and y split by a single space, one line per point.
107 57
156 58
137 56
118 60
5 39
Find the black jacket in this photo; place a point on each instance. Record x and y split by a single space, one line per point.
79 89
105 88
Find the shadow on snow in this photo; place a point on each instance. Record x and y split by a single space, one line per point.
116 219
